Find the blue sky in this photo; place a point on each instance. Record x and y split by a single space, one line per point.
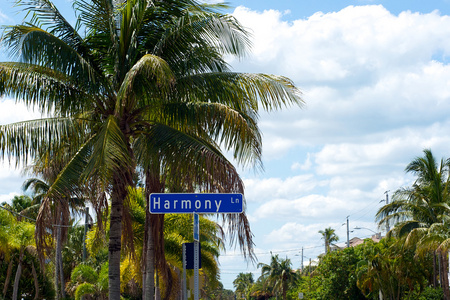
376 81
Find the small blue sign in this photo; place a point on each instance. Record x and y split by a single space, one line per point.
179 203
196 227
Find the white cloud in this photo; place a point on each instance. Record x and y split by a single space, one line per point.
363 71
306 208
7 197
264 189
11 112
305 166
10 182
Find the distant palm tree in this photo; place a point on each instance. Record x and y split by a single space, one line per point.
23 207
243 284
279 274
329 236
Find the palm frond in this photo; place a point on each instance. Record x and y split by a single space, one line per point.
188 159
240 90
99 17
204 28
25 140
45 14
109 152
150 73
43 88
37 46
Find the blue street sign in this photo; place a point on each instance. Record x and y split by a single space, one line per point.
196 227
168 203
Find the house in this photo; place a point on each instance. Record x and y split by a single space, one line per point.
355 242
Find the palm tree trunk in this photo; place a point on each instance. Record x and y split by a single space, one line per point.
434 270
18 274
57 269
61 274
8 278
445 285
149 270
152 184
36 282
58 260
115 235
440 269
157 289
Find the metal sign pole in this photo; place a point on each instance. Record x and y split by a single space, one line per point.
184 292
196 250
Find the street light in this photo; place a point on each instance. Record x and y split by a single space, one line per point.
302 257
357 228
377 234
387 202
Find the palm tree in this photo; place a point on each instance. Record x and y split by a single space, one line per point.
243 283
421 207
128 71
23 207
54 213
329 236
279 274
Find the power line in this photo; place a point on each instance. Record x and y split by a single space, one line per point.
276 252
13 212
371 205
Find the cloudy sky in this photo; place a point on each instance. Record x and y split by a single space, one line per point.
375 78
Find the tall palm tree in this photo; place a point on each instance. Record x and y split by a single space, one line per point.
279 274
329 236
418 208
130 70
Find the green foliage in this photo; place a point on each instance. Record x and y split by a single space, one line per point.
338 275
431 293
26 283
217 293
334 277
72 252
85 280
84 273
84 289
392 268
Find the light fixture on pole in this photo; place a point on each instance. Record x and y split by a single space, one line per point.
387 202
378 234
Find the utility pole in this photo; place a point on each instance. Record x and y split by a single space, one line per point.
302 259
387 202
86 221
348 234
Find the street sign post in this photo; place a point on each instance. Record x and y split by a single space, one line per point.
172 203
167 203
